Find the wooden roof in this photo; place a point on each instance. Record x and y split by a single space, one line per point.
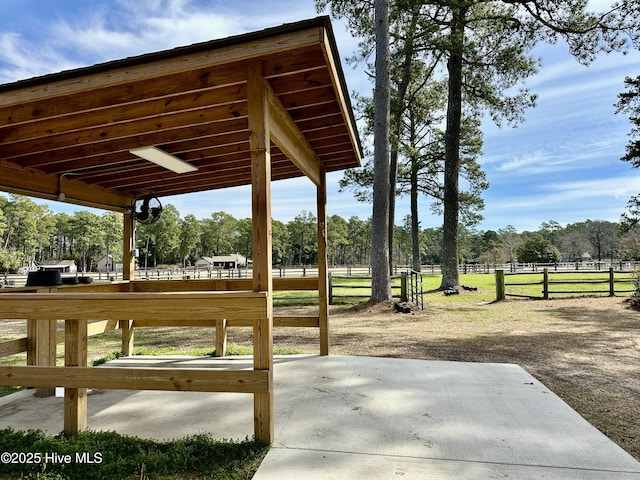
71 132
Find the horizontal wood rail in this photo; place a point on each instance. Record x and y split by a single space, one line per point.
552 286
229 284
13 347
298 321
402 288
194 285
135 305
118 378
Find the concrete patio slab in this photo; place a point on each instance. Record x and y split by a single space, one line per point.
362 417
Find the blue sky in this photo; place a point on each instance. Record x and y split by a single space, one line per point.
561 164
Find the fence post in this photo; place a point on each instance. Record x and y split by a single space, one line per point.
545 283
403 287
612 289
330 288
500 294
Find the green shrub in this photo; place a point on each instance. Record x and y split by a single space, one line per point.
107 358
99 455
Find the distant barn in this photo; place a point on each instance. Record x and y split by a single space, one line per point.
62 266
222 261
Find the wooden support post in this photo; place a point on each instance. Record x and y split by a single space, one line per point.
75 355
262 242
126 326
41 348
545 283
323 270
221 337
500 291
128 246
128 273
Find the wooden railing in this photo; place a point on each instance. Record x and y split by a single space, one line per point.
96 308
42 310
19 345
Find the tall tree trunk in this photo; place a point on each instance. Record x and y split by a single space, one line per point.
415 222
450 276
381 279
393 180
403 85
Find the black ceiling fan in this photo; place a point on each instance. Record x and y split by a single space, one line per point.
146 209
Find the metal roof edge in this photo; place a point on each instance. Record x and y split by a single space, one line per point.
321 21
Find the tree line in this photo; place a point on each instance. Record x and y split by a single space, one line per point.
31 233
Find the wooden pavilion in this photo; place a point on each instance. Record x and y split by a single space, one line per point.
248 109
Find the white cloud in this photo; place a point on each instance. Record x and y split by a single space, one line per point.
22 60
124 28
601 193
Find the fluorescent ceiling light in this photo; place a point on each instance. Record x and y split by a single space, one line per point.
162 158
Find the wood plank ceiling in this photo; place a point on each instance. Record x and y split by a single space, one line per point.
71 132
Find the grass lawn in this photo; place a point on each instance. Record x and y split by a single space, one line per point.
116 457
347 290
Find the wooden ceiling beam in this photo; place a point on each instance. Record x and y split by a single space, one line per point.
333 149
286 135
330 141
313 97
86 102
26 182
300 81
123 161
316 123
89 156
323 132
141 174
304 60
209 146
128 129
279 170
322 110
280 173
112 117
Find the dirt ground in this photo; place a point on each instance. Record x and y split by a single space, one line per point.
587 350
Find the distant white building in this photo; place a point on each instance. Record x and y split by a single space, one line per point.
222 261
109 264
62 266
